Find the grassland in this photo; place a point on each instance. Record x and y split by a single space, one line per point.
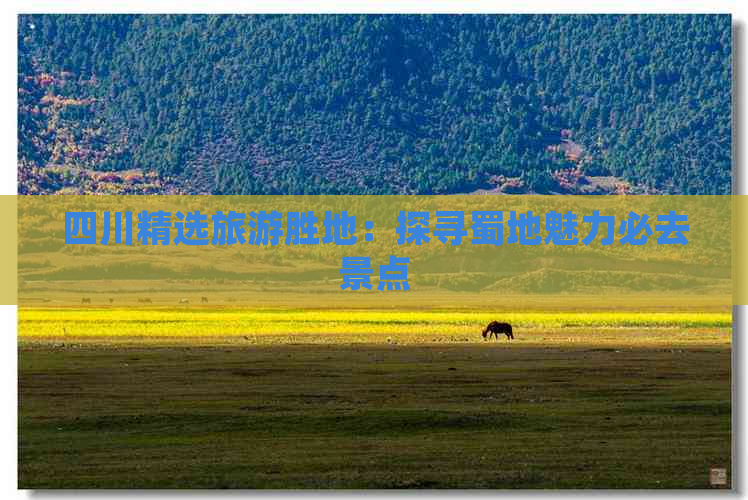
237 398
190 324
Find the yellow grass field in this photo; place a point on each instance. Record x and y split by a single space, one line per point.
364 326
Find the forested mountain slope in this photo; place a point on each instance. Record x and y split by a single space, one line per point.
374 104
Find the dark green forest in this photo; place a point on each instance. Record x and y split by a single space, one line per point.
344 104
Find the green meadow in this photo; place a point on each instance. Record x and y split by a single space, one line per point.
222 397
249 367
377 415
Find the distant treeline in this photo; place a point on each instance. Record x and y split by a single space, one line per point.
380 104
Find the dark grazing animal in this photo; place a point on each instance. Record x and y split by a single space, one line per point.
495 328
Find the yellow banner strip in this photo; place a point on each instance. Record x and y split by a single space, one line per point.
9 250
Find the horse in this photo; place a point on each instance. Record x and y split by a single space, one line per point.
495 328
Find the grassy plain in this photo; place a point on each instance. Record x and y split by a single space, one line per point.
238 398
248 365
334 326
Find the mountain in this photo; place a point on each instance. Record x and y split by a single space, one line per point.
349 104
